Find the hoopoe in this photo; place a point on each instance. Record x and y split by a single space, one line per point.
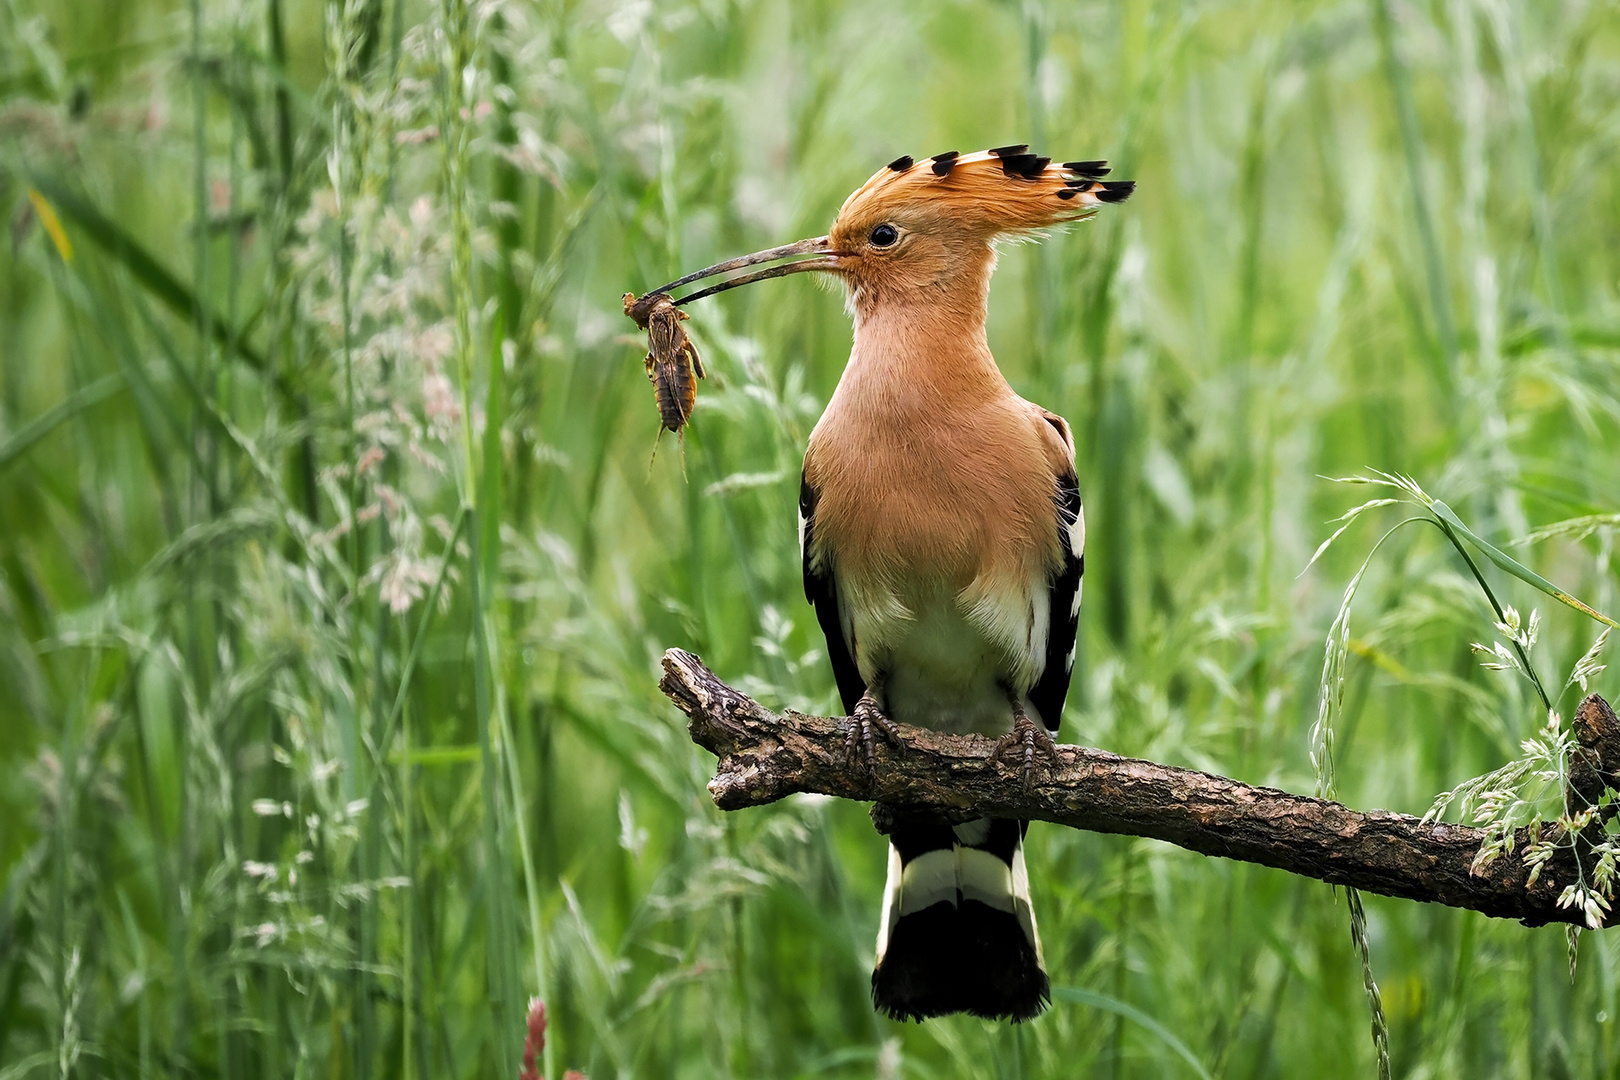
943 536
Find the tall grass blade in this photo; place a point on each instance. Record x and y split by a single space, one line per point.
1109 1004
1400 82
145 267
1516 568
20 441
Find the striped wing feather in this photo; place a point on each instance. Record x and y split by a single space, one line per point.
822 592
1050 690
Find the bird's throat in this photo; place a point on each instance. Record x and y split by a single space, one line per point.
930 354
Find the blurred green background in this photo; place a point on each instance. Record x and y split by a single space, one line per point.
336 558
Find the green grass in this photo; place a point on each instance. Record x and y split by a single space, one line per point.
336 559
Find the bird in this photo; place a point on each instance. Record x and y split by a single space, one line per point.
942 536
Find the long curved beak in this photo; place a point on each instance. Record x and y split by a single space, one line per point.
819 246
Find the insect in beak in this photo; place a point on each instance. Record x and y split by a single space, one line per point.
672 361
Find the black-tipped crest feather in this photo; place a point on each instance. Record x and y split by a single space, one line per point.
1116 191
1028 166
1096 170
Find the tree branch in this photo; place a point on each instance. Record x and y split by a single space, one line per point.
765 756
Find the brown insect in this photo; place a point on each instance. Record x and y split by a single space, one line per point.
672 361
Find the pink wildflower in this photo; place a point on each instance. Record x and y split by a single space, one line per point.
534 1041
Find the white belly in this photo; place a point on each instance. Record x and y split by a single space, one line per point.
939 669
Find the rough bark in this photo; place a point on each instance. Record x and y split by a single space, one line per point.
765 756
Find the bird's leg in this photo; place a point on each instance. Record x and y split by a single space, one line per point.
1025 735
858 732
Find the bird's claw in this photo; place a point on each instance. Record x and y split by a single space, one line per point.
858 730
1026 735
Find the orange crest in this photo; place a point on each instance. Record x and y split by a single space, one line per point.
980 195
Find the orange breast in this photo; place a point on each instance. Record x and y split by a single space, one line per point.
911 496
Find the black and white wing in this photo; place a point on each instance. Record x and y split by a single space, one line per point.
1064 609
822 592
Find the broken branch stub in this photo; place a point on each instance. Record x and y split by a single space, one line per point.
764 756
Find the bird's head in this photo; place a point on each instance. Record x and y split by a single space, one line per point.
919 229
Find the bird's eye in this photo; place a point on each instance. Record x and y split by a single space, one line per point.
884 235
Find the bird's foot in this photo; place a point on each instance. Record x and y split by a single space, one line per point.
1026 736
858 744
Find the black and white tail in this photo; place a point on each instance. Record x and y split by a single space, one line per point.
958 933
